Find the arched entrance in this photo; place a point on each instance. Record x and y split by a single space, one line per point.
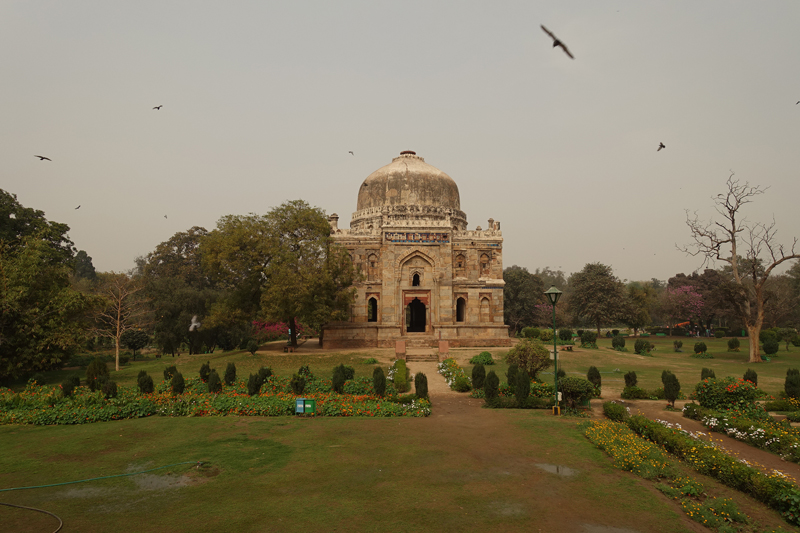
415 316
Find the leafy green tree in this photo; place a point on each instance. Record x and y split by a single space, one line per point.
18 223
522 292
283 266
528 354
642 299
84 269
597 295
42 318
135 339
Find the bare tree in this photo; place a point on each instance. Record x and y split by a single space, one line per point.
749 248
124 309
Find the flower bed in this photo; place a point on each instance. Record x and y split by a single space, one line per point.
775 489
46 405
646 459
765 434
454 375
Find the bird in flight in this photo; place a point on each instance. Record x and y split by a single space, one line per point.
165 216
158 107
660 146
43 158
556 42
195 323
351 152
78 207
798 102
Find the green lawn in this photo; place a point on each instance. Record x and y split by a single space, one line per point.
290 474
321 475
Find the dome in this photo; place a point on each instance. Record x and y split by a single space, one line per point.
408 180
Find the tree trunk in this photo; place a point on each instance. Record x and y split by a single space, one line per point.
753 332
292 332
116 344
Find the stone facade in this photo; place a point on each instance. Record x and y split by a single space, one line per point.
425 276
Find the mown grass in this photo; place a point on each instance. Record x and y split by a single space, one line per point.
320 475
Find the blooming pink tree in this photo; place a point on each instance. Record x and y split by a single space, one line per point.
681 303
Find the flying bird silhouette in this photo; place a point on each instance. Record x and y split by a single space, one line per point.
798 102
556 42
43 158
195 324
660 146
78 207
158 107
351 152
165 216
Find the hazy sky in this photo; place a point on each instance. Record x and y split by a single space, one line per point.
263 100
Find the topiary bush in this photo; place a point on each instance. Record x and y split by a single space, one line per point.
145 383
230 374
546 335
561 373
205 372
642 347
630 379
478 376
338 379
483 358
614 332
169 372
751 376
593 375
511 376
677 345
706 373
588 339
672 388
580 333
491 386
263 373
462 384
298 383
615 411
67 388
531 355
379 381
178 384
96 374
792 383
719 333
254 384
531 333
733 344
635 393
110 389
565 335
252 346
700 347
618 343
766 334
771 346
575 390
401 376
523 387
214 383
421 385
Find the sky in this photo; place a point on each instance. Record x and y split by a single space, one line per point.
262 101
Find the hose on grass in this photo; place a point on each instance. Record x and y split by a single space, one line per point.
198 463
60 522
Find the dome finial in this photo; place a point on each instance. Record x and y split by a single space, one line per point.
409 152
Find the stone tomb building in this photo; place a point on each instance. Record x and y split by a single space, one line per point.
425 276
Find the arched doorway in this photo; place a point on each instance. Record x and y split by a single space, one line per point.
372 310
415 316
461 310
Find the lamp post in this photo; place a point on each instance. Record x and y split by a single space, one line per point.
553 295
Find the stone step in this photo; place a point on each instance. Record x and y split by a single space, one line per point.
419 357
